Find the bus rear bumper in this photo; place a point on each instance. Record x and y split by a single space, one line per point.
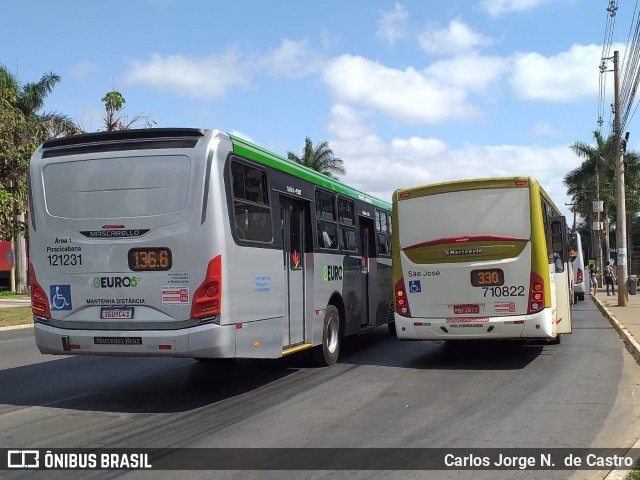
536 326
202 341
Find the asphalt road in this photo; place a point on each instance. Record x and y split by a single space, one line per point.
381 393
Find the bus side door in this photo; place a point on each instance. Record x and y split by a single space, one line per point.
563 274
292 217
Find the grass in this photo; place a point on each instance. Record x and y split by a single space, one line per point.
635 475
15 316
7 294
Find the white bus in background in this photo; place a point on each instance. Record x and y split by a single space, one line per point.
480 259
197 243
580 276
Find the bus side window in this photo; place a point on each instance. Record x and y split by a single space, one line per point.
326 225
557 246
250 203
383 234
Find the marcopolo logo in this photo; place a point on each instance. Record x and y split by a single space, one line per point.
116 282
331 272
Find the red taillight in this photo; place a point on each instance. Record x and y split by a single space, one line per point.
206 299
402 303
580 276
39 299
536 294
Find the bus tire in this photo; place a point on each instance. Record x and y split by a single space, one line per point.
557 340
392 329
326 354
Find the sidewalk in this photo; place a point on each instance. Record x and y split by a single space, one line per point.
626 320
6 302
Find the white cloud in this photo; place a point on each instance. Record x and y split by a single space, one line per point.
406 95
214 75
83 69
208 77
545 129
380 167
392 25
456 38
240 134
499 7
346 123
568 76
455 71
291 59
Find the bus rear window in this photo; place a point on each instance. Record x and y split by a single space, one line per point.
499 211
117 187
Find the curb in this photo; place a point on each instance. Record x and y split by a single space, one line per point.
16 327
634 349
629 341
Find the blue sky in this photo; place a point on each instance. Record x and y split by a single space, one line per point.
406 92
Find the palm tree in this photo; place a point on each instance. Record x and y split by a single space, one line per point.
25 104
596 178
321 159
29 99
114 118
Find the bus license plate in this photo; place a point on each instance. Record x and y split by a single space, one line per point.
466 309
116 313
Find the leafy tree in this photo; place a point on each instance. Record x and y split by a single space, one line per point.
599 166
15 152
114 117
22 127
319 158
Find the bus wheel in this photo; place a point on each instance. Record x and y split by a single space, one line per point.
557 340
327 353
392 329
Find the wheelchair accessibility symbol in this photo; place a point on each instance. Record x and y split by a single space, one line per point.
60 297
415 286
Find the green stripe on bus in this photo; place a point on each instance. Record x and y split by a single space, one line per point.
265 157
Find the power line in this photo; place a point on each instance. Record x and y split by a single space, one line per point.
606 54
630 70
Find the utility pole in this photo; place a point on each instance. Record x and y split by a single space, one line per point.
621 212
597 224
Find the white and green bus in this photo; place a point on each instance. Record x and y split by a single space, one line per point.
480 259
197 243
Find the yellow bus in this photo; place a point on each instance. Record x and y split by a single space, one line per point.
480 259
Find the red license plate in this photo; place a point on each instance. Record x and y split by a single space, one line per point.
466 309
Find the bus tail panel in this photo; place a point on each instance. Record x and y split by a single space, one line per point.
476 328
471 261
205 341
481 288
119 250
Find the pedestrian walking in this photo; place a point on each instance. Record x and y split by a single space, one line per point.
609 279
593 281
